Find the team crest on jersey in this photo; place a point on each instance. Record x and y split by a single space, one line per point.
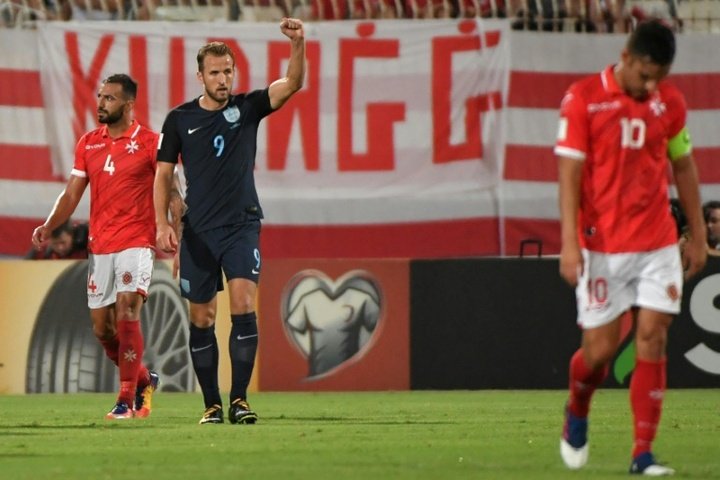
127 278
132 146
232 114
657 107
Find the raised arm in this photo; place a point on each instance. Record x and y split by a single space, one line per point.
282 89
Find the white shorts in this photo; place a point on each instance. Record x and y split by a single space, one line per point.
612 283
126 271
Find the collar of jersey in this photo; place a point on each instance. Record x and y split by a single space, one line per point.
127 133
610 82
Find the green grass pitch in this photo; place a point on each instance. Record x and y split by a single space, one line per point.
370 436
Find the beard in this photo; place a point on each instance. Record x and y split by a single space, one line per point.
110 118
219 97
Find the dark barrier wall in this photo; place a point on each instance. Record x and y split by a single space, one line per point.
490 323
694 339
510 323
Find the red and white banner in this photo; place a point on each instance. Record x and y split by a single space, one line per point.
542 67
409 139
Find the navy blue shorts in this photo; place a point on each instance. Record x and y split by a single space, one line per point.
206 255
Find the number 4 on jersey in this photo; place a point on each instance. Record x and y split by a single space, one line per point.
109 165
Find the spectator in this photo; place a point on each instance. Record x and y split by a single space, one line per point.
711 211
67 241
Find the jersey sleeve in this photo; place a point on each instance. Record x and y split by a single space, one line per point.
79 166
678 113
260 102
572 136
168 147
153 145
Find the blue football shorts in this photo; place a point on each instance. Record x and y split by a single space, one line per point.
204 256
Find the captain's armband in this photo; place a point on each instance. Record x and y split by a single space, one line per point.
680 145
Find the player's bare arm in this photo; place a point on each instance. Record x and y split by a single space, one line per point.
177 210
694 252
571 261
65 205
166 239
282 89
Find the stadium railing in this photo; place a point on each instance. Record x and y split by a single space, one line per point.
538 15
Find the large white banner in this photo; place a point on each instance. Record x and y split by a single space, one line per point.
397 121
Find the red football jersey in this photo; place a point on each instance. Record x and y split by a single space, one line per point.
624 194
121 172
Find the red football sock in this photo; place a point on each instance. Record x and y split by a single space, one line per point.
111 347
130 358
583 383
647 389
143 378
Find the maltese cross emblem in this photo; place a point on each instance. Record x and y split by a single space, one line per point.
132 146
130 355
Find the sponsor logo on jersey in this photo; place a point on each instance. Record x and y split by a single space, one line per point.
604 106
232 114
94 146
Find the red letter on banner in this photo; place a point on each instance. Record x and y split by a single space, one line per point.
85 86
242 66
379 116
305 104
176 70
139 73
442 53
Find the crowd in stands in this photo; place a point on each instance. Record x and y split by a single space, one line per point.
543 15
69 241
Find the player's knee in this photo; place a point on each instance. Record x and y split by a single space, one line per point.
203 317
242 302
103 332
599 353
651 344
128 307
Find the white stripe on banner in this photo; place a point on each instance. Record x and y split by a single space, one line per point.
34 199
417 187
26 128
538 126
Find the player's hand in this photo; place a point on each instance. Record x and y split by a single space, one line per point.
176 264
292 28
571 264
165 239
39 236
694 256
